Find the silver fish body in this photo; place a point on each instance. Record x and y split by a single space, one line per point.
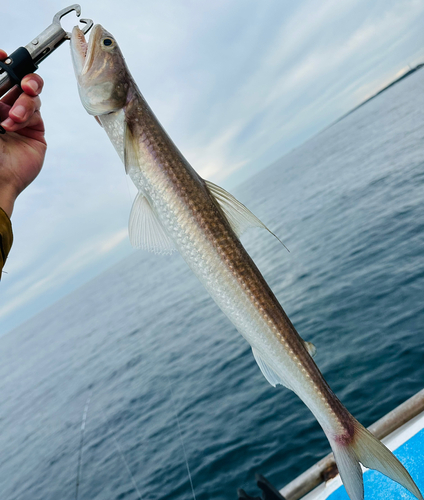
204 238
177 209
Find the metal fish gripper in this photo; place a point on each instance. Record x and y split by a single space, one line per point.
26 59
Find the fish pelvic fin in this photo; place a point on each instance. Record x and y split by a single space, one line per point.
272 377
360 446
145 230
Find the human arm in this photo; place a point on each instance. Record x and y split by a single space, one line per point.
22 148
6 237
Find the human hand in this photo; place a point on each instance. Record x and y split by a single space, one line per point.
23 147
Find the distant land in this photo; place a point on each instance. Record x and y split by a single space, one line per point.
408 73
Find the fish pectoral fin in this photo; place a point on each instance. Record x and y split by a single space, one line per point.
239 217
130 149
273 378
310 347
145 229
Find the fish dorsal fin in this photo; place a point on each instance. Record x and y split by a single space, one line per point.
239 217
145 229
273 378
130 149
310 348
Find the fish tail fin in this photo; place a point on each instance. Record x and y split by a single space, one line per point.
360 446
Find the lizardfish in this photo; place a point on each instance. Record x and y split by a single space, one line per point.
176 209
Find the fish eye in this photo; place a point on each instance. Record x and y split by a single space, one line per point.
107 42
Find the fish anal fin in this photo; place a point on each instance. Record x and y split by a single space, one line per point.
145 230
238 216
273 378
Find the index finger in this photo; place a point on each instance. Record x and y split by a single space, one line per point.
32 84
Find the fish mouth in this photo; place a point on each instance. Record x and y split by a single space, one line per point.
83 51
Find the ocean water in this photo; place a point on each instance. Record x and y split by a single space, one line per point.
169 379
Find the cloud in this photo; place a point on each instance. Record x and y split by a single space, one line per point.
211 159
235 84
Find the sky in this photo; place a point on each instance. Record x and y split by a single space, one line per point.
236 83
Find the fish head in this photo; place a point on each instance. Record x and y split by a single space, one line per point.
102 75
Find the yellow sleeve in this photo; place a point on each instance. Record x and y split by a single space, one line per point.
6 238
